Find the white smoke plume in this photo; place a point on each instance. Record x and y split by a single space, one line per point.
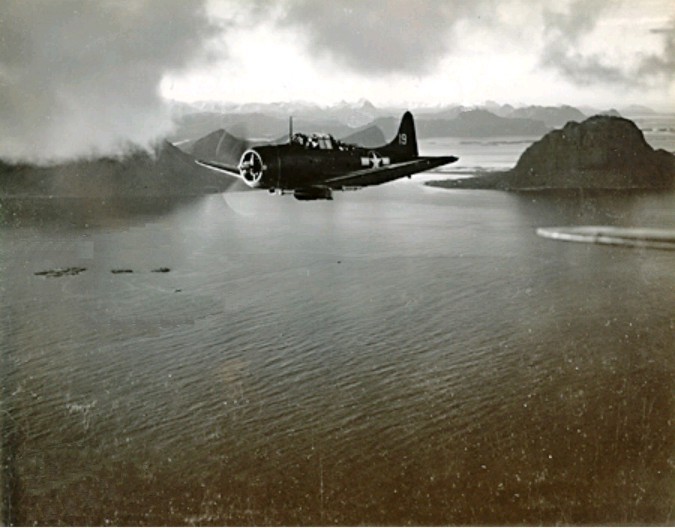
81 78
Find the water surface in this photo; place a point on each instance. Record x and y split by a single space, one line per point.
400 355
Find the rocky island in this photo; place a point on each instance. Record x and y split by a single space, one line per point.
602 153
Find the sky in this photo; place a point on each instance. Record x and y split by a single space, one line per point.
592 52
94 77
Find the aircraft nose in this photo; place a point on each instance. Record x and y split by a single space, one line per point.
251 168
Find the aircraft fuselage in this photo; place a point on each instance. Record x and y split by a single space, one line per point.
293 166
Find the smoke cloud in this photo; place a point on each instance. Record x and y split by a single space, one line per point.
81 78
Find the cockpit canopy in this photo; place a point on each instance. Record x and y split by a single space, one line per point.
319 142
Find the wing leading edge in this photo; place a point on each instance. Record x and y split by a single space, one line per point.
221 167
386 173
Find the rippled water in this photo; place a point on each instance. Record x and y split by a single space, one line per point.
401 355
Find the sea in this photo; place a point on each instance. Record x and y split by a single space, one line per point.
401 355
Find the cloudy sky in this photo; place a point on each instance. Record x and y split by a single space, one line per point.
91 77
594 52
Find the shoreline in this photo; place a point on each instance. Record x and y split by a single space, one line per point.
495 181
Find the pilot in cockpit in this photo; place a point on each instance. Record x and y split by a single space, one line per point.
313 142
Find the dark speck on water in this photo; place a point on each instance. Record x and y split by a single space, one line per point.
461 369
121 271
161 270
61 272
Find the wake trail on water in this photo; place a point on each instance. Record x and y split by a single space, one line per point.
642 237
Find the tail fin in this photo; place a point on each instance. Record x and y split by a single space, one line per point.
405 143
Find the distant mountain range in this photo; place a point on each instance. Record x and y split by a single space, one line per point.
353 115
265 122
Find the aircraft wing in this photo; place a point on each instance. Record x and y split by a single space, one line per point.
230 170
386 173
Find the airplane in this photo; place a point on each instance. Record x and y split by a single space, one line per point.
312 167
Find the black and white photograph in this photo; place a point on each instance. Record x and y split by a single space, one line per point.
337 263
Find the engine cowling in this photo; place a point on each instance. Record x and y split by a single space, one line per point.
313 193
251 168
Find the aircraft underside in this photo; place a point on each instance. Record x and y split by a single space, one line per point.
313 193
